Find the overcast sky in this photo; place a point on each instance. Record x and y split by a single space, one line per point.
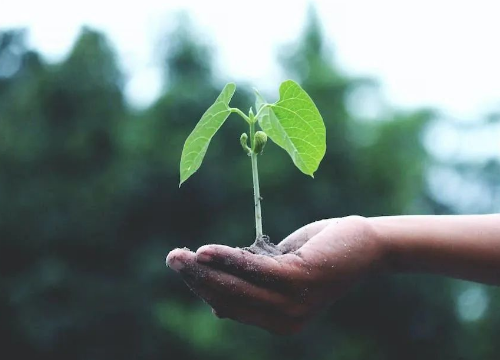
444 54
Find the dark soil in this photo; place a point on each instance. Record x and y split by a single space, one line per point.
264 246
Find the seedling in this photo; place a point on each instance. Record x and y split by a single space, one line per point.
293 123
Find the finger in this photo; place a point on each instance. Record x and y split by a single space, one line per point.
207 281
222 299
265 319
174 257
259 269
299 237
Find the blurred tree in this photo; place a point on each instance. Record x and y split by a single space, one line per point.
56 186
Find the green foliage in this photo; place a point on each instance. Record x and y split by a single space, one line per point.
295 124
197 142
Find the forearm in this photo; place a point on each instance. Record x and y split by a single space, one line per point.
466 246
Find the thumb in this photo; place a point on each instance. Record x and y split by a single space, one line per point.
300 236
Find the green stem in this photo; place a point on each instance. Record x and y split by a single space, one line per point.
240 113
256 189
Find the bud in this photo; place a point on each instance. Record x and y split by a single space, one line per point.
259 142
244 143
251 115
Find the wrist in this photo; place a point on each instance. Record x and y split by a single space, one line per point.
374 246
387 247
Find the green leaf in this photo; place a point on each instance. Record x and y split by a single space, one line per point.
295 124
196 144
259 100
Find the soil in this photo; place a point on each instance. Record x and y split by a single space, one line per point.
264 246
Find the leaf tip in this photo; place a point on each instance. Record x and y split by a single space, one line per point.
182 179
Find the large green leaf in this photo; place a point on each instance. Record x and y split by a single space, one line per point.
196 144
295 124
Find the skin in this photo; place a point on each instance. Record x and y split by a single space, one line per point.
322 260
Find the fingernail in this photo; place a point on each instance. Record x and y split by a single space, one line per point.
203 258
174 263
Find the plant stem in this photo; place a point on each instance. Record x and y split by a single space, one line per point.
240 113
256 189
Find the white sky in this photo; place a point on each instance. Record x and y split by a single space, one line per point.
424 53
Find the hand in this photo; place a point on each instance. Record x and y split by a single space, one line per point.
319 264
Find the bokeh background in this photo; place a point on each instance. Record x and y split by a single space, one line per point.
91 131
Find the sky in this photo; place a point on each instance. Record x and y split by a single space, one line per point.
441 54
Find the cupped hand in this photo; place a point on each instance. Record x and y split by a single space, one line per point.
320 262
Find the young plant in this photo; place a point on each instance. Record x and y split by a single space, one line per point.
293 123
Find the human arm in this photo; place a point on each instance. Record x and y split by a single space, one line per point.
460 246
322 260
